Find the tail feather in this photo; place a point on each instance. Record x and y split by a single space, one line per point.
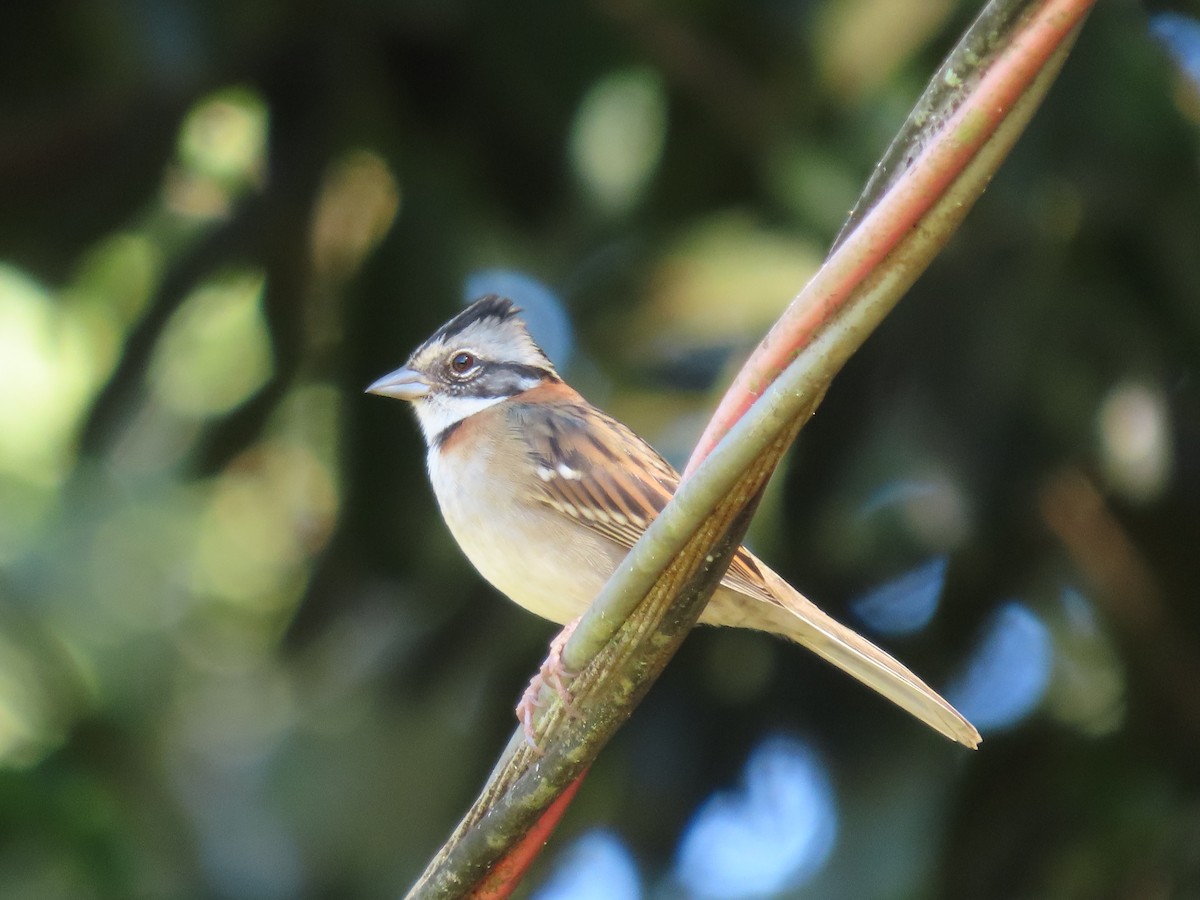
808 625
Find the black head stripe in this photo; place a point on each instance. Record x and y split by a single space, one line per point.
500 380
492 306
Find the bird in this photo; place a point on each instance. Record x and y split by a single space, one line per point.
545 494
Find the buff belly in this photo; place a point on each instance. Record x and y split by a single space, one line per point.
503 544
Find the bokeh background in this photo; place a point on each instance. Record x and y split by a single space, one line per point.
240 656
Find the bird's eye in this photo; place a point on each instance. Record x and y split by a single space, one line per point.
461 362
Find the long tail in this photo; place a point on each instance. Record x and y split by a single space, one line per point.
851 652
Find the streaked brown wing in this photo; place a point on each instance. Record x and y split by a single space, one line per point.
593 469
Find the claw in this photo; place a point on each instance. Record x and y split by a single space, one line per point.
525 710
557 676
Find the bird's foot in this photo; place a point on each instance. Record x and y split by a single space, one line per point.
554 674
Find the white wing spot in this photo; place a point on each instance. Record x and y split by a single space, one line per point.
544 473
567 472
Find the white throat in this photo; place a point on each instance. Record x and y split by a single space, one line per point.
438 412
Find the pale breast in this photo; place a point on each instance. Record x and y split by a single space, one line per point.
540 560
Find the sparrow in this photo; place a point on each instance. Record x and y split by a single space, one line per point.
545 494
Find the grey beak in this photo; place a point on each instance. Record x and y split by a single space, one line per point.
403 384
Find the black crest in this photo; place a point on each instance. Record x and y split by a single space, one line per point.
490 306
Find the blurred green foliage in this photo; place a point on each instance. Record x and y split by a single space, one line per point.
239 654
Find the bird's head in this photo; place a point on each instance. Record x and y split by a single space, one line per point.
480 357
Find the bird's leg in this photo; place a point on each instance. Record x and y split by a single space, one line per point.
554 674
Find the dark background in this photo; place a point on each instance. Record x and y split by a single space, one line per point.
240 656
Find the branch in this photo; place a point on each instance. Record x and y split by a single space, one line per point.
905 218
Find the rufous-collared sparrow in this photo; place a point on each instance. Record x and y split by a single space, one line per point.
546 494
